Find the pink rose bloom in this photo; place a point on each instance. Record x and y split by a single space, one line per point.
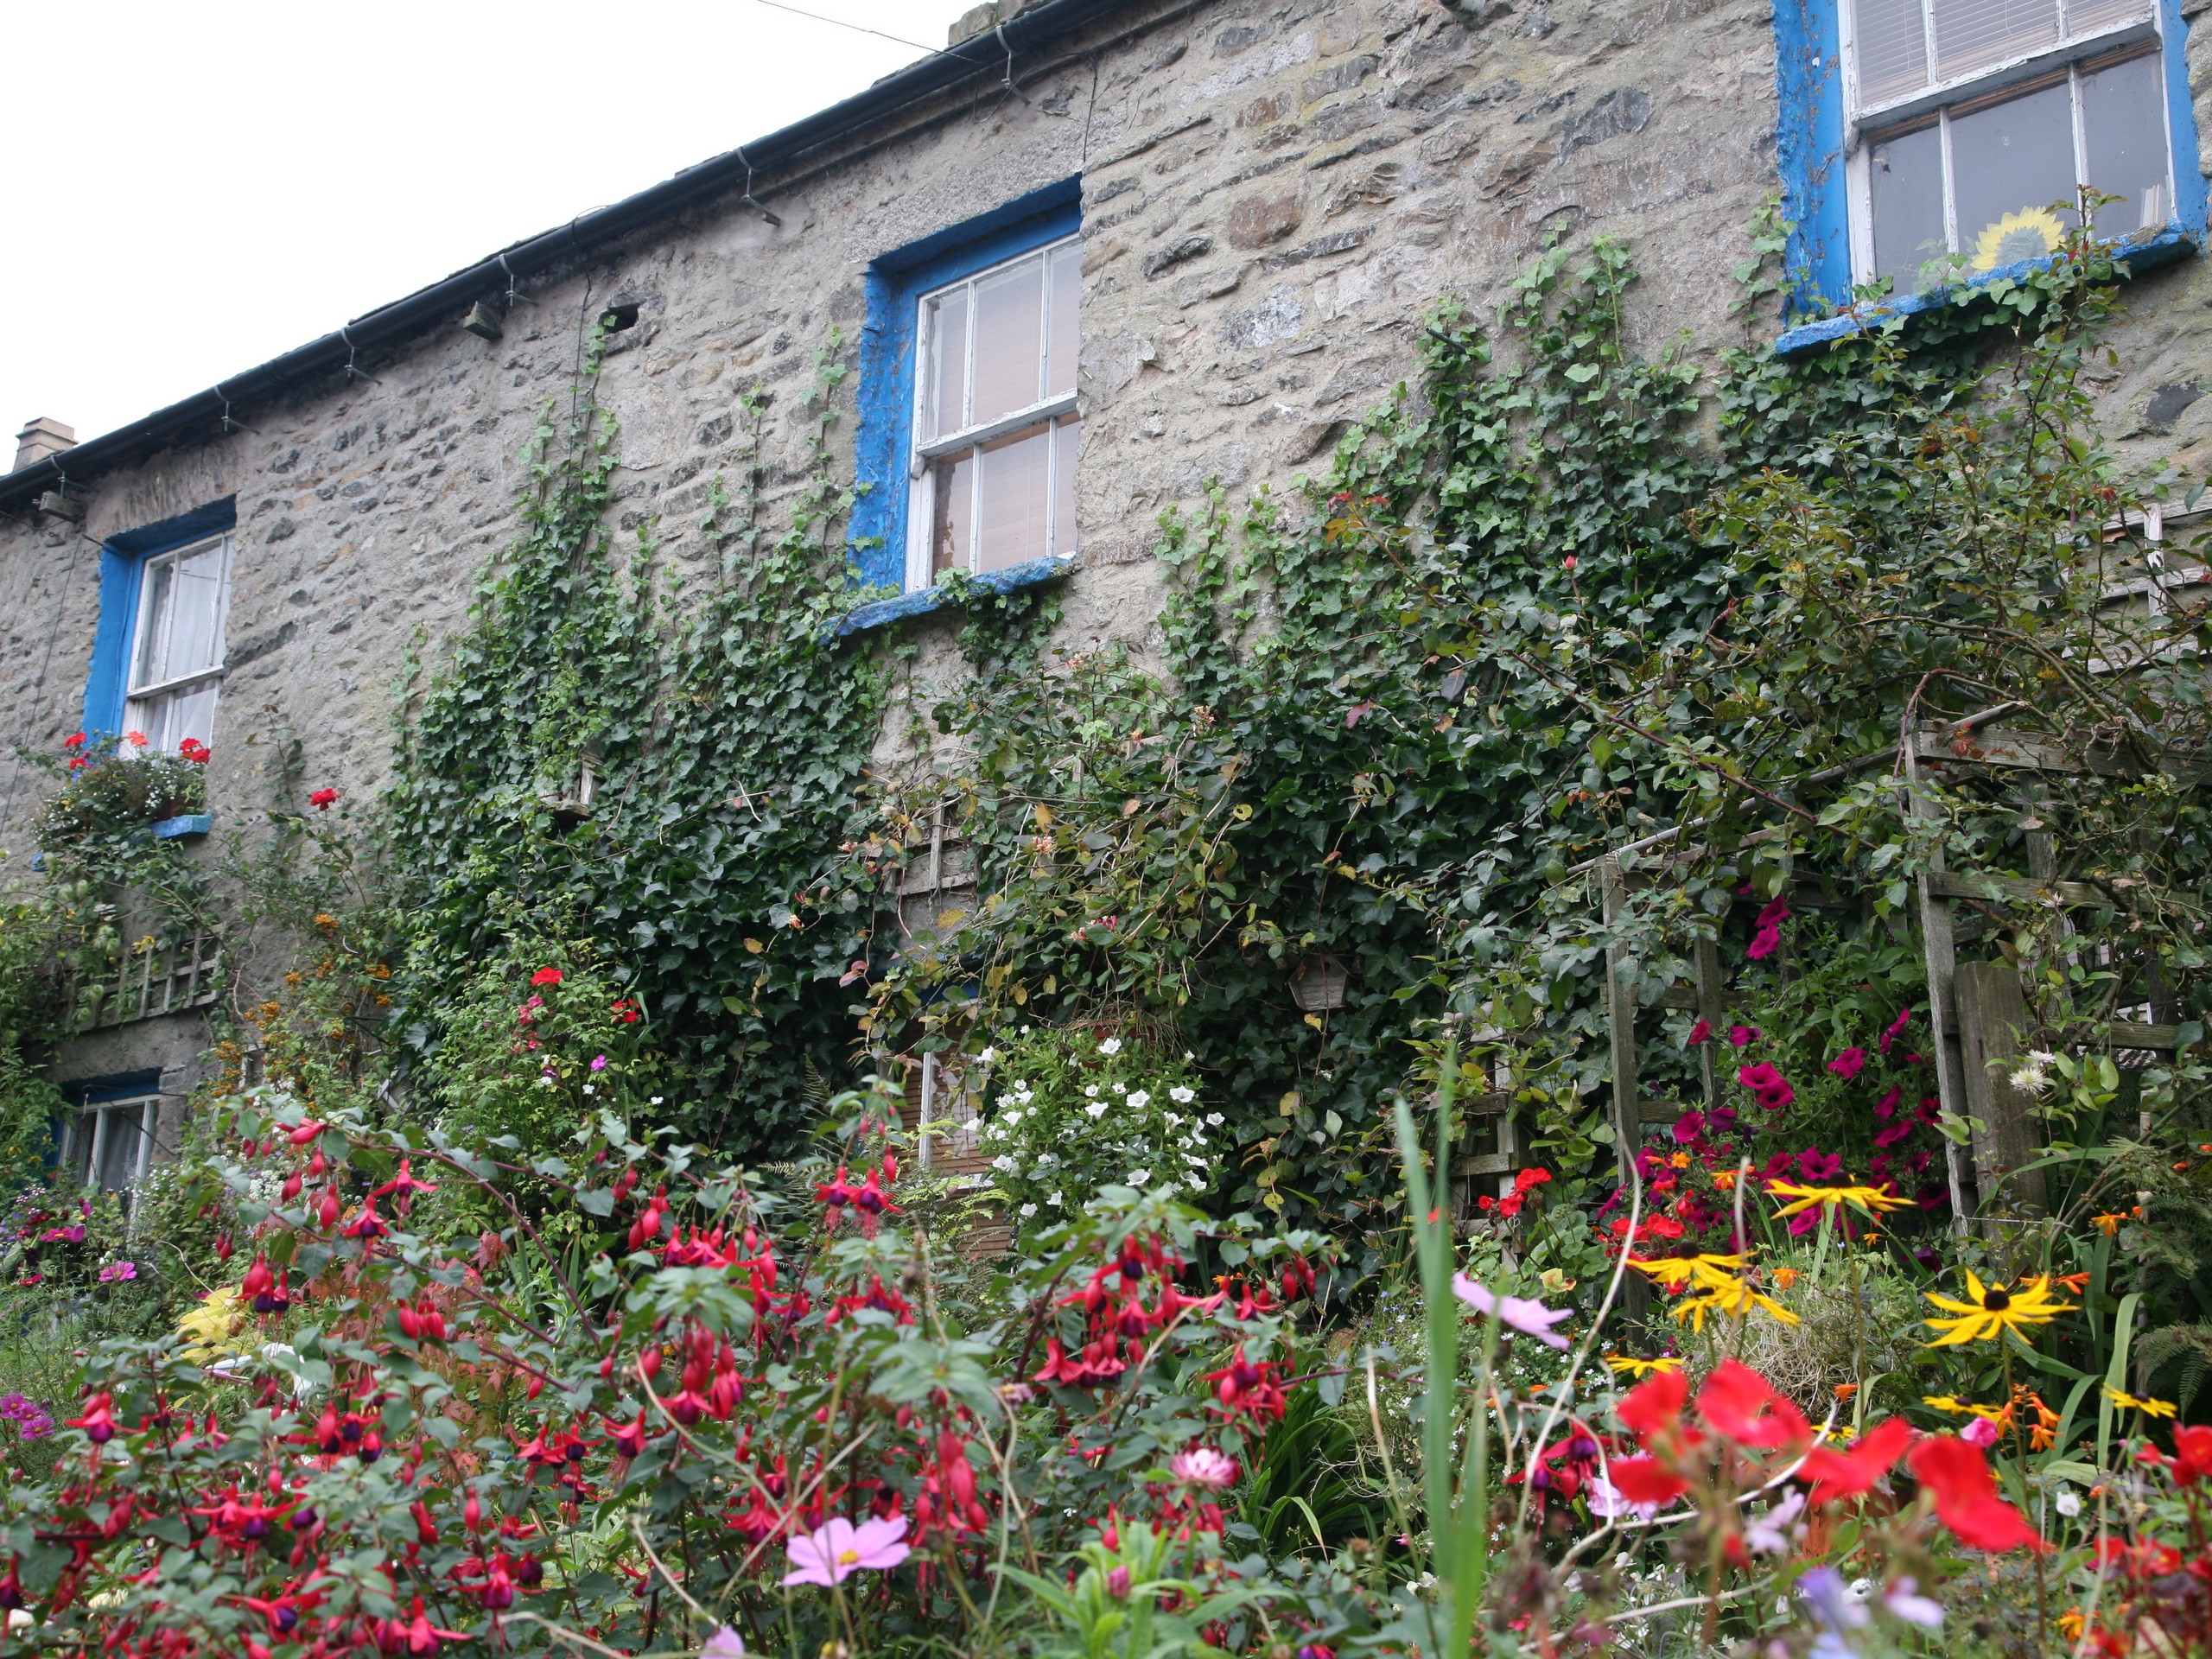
1202 1466
1849 1064
841 1549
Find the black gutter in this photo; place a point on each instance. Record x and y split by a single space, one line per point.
444 301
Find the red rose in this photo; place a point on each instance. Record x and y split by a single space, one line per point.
321 799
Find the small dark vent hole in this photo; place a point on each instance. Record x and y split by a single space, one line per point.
616 318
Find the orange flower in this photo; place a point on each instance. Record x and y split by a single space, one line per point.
1680 1160
2107 1224
1784 1277
1845 1390
2076 1283
1724 1179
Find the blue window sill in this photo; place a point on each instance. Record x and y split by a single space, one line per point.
883 612
192 824
2159 248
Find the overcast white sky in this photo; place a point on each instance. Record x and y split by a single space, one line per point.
199 188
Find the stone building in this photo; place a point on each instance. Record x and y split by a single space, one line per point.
1092 256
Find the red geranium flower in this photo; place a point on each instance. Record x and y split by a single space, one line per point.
1740 1405
546 976
1957 1476
1852 1474
74 740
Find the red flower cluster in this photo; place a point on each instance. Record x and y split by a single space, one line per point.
869 1201
1510 1205
194 751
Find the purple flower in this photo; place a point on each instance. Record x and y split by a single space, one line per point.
724 1643
598 1062
1849 1064
1531 1318
841 1549
1902 1600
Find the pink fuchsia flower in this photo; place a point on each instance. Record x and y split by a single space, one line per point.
1742 1036
725 1643
1849 1064
116 1270
1531 1318
840 1549
1202 1466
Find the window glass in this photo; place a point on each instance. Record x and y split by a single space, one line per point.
952 537
1972 34
108 1144
1906 170
1066 437
2124 115
948 380
1892 42
1015 493
196 614
177 658
1067 296
2010 161
1009 340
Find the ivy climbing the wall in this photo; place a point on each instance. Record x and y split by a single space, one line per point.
662 773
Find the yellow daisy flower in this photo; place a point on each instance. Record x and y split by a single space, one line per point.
1629 1365
2148 1407
1733 1297
1867 1200
1990 1311
1681 1272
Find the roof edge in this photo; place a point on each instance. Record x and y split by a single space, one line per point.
443 300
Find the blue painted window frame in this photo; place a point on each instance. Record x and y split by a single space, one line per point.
895 284
1816 190
122 568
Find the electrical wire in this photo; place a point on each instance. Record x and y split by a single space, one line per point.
856 28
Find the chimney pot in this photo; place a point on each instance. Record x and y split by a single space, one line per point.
40 438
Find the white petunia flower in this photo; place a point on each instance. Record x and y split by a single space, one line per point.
1120 1088
1027 1211
1012 1118
1044 1157
589 1090
1139 1098
1182 1096
988 1056
656 1100
1058 1199
1005 1161
1139 1177
1215 1119
1096 1108
1090 1091
1111 1046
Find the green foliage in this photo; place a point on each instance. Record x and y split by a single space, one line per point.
725 733
111 790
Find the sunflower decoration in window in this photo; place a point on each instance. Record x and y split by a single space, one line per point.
2028 234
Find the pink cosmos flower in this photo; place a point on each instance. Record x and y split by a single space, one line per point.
116 1270
1531 1318
841 1549
725 1643
1849 1064
1202 1466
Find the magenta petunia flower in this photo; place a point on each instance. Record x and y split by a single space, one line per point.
1886 1107
1531 1318
1743 1036
1699 1033
1849 1064
839 1549
1897 1028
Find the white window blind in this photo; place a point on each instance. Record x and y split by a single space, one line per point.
1907 47
177 657
995 430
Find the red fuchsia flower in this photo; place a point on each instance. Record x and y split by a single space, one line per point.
1849 1064
1897 1028
1742 1036
402 1187
839 1549
1838 1475
1700 1032
1957 1476
98 1421
416 1637
1204 1467
1248 1387
323 799
546 976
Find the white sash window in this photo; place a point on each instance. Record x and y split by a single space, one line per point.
176 651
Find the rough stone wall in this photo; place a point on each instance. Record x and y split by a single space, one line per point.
1274 192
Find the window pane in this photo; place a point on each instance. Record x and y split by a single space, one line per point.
1009 340
1067 297
2124 117
2010 162
154 605
80 1147
945 391
119 1151
954 491
1014 496
1972 34
180 714
1066 436
195 629
1892 49
1907 174
2086 16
